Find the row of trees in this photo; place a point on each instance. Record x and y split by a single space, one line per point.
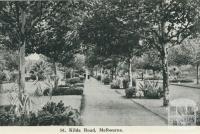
113 31
126 29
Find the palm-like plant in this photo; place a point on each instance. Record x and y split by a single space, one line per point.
151 89
41 69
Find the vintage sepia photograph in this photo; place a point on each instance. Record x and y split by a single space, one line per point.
100 63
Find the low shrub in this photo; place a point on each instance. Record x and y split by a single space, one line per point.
51 114
76 75
38 92
79 84
40 77
182 81
82 78
126 82
67 91
27 78
151 89
58 114
3 76
154 93
14 77
74 80
198 118
68 74
32 77
106 81
130 92
46 92
115 84
66 85
7 119
98 77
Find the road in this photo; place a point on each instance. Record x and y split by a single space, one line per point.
104 107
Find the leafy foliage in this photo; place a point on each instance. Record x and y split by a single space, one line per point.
152 61
130 92
151 89
51 114
110 30
74 80
115 84
182 81
67 91
181 55
2 76
12 60
168 23
59 40
106 80
98 77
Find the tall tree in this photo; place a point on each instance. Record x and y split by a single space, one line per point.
180 55
194 47
59 39
168 23
18 23
112 27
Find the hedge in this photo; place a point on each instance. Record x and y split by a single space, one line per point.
67 91
182 81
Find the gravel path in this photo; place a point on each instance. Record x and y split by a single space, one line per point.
104 107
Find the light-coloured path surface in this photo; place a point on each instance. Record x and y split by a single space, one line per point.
104 107
177 92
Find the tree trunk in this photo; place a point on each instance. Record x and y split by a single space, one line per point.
112 73
115 71
1 84
101 73
65 73
130 74
22 56
22 69
142 76
71 73
197 74
154 74
165 77
55 75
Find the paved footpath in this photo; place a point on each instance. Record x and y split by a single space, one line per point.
104 107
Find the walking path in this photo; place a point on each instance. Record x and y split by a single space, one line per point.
176 92
104 107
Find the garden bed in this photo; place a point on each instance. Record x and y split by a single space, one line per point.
68 100
72 100
50 113
182 81
68 91
74 80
